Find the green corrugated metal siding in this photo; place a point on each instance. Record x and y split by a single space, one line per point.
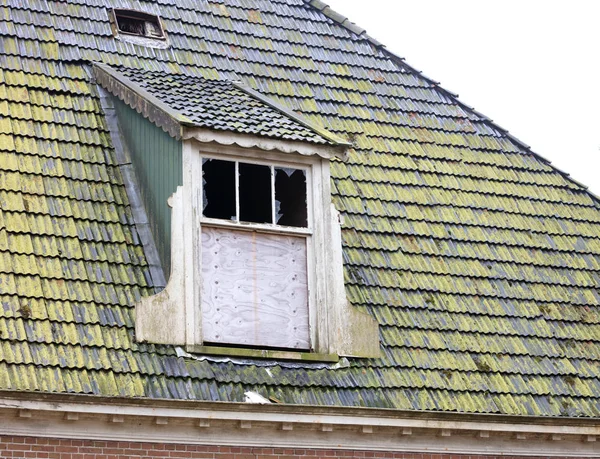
157 160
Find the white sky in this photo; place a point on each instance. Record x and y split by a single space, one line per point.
533 66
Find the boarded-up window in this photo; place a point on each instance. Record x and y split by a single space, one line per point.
254 289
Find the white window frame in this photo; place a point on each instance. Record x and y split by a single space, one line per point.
318 201
269 228
263 227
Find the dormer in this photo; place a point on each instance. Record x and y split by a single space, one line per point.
254 248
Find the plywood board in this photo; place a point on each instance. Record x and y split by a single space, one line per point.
254 289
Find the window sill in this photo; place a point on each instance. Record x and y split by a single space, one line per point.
262 227
263 354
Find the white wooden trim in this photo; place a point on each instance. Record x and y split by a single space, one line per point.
265 143
273 200
192 173
237 192
260 227
238 427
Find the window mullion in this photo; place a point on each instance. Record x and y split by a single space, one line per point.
273 203
237 192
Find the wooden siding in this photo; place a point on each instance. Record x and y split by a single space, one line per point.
254 289
158 164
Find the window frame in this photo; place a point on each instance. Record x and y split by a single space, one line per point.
269 228
147 40
262 227
318 200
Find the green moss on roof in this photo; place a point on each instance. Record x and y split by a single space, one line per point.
479 260
218 105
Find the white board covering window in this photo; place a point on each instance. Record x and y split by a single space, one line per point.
254 244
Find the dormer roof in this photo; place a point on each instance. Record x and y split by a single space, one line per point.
175 101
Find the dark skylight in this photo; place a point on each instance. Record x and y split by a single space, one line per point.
140 24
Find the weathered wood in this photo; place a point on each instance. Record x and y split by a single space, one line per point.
254 289
192 170
354 333
160 318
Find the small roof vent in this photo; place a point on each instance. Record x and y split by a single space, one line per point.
137 24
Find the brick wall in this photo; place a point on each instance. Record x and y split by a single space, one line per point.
51 448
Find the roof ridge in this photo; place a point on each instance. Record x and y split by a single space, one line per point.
352 27
328 135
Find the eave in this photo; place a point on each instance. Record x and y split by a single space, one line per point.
244 424
262 143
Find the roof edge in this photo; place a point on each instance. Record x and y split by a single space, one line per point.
329 136
206 135
540 424
173 122
140 100
258 424
352 27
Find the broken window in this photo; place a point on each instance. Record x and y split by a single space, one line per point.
138 23
254 277
254 193
290 197
219 189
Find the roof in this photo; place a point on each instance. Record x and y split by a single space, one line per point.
219 105
479 260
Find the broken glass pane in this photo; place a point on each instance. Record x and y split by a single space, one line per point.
218 189
255 193
290 194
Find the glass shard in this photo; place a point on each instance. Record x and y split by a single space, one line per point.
290 192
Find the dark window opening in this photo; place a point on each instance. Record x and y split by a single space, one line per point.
219 189
138 23
255 193
290 197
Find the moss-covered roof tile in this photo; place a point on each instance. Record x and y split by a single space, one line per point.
479 260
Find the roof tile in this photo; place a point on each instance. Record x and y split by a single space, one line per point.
479 259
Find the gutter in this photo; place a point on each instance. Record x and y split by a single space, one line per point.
89 417
309 413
